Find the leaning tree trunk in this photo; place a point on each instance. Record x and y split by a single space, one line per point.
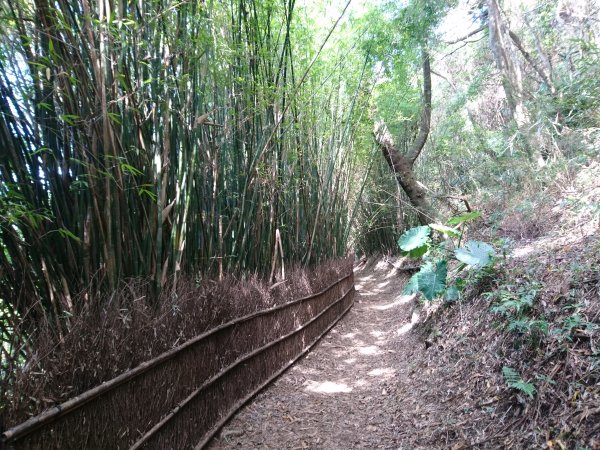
507 63
402 164
509 66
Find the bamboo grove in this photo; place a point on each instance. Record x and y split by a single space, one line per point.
157 139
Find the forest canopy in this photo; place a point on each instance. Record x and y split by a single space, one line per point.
166 139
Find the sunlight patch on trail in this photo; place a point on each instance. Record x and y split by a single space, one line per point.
369 350
383 284
408 326
382 372
404 328
401 300
327 387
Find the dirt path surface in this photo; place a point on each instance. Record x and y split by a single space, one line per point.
344 394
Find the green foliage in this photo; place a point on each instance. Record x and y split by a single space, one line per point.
16 210
514 304
514 380
393 35
516 307
432 278
445 230
415 241
574 322
475 253
452 294
524 326
68 234
375 228
412 286
466 217
579 93
214 127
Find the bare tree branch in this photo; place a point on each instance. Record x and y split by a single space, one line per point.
444 77
425 124
467 36
530 60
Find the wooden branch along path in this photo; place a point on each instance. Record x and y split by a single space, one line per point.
250 352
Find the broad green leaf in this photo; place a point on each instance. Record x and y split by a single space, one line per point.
464 218
451 294
414 238
418 252
432 283
448 231
475 253
412 287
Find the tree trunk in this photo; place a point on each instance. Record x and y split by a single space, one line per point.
512 77
403 168
402 165
507 63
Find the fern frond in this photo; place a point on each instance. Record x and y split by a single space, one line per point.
514 380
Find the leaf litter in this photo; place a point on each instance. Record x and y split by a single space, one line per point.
397 373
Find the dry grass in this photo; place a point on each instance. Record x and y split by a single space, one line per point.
468 399
126 330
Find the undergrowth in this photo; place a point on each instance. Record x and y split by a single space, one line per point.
515 362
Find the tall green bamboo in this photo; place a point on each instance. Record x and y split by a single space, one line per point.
156 139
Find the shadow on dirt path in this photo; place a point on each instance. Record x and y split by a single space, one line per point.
342 395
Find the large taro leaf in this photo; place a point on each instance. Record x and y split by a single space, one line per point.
451 294
415 241
466 217
418 252
432 281
412 287
475 253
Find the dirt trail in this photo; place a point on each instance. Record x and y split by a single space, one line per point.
344 394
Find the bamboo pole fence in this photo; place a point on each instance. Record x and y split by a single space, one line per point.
181 398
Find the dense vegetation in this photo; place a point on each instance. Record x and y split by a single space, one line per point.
161 140
165 138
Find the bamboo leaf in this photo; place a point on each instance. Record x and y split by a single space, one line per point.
67 234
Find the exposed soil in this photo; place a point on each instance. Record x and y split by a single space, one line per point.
346 392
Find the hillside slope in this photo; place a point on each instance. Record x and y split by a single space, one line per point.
515 364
